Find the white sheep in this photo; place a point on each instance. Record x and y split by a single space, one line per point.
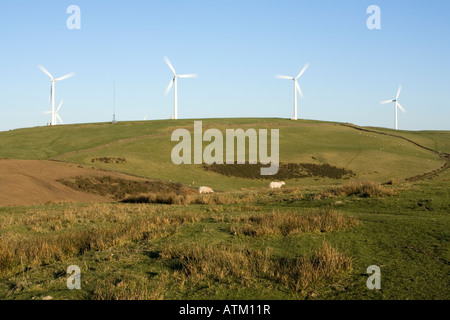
206 190
276 185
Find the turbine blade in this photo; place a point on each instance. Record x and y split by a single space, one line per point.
46 112
169 87
387 101
45 71
170 65
297 86
188 76
60 105
398 92
303 70
59 118
401 108
66 76
283 77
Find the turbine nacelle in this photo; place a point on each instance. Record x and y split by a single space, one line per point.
52 79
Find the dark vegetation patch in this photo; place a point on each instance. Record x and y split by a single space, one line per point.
121 188
109 160
286 171
425 204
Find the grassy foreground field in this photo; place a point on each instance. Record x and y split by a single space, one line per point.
312 240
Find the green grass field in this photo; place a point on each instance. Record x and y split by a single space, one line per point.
147 148
245 242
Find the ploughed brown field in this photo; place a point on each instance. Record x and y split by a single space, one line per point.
34 182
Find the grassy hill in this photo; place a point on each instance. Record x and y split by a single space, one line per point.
314 239
146 146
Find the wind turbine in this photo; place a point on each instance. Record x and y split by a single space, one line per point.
173 82
56 113
53 80
296 88
396 104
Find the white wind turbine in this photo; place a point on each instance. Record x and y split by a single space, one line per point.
174 81
56 112
296 88
53 80
396 104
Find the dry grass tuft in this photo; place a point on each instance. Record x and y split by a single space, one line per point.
188 199
292 223
131 287
160 198
324 264
364 189
197 264
102 227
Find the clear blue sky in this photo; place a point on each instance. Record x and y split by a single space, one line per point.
236 47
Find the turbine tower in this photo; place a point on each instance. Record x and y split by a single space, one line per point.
53 80
396 105
56 112
296 88
174 82
114 121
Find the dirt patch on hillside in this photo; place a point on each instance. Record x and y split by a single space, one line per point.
286 171
33 182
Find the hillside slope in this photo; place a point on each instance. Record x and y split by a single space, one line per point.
33 182
147 146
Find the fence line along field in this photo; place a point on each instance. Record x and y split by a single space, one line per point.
108 199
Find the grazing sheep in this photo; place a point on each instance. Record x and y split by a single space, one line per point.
206 190
276 185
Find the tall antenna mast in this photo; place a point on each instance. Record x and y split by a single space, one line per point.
114 105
